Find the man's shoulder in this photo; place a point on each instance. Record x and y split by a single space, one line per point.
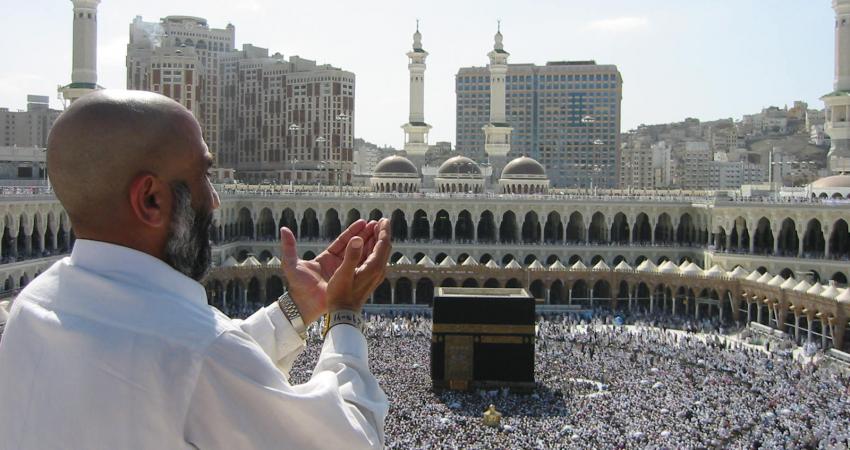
110 306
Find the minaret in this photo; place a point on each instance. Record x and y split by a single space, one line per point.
497 133
84 72
416 130
838 101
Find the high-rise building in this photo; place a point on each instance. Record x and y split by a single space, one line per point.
838 101
27 128
268 117
566 115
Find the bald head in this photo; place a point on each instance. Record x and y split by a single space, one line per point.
104 140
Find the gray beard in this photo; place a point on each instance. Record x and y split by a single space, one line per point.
188 249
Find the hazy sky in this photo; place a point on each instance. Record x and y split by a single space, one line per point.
679 58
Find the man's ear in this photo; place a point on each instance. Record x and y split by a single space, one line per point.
150 200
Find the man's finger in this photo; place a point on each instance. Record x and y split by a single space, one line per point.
351 258
341 241
377 260
287 247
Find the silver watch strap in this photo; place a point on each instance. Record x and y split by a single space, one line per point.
290 310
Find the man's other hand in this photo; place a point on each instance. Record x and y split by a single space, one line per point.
353 282
308 279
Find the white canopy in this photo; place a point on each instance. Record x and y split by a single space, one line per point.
646 266
469 261
668 267
738 273
557 265
578 266
230 262
776 281
802 286
535 265
623 266
715 272
448 262
426 261
492 264
513 265
250 262
601 266
273 262
403 260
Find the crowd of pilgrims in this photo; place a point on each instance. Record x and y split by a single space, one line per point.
599 385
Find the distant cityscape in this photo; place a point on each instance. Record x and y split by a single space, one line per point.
272 119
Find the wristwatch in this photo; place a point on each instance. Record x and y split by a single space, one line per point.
290 310
342 316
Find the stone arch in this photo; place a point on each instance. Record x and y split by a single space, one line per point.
598 229
383 293
839 240
642 231
531 232
266 230
376 214
245 224
763 237
421 227
553 232
487 228
274 287
788 242
485 258
491 283
403 291
398 225
814 243
443 226
664 229
288 220
331 226
557 293
464 228
686 231
425 291
537 290
352 216
575 228
470 283
620 229
310 224
508 228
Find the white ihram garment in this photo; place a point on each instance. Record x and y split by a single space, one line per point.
111 348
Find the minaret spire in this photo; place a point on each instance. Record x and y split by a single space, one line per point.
497 133
84 71
838 101
416 130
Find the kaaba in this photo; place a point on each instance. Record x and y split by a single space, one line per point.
482 338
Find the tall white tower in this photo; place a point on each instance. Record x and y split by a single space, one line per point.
838 101
84 71
497 133
416 130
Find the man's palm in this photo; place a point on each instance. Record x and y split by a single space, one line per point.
307 280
